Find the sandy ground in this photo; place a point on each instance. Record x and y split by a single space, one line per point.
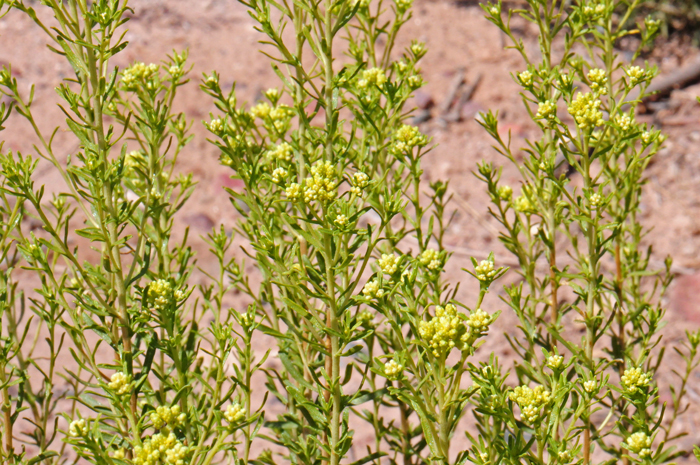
220 36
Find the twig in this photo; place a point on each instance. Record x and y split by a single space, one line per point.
452 92
456 114
476 215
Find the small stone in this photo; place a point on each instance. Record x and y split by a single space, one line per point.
200 221
423 100
470 110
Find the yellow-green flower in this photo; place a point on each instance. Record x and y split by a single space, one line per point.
430 258
359 181
77 428
261 110
234 413
636 74
505 192
446 330
530 401
160 295
634 379
322 184
640 444
167 416
525 78
120 383
586 111
546 110
373 290
598 81
389 263
161 449
282 152
407 137
372 76
393 370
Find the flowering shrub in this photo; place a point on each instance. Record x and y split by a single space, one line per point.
348 246
575 233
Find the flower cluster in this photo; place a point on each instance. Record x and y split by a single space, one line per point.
525 78
341 220
278 175
293 192
484 271
373 289
393 370
598 81
120 383
389 263
403 5
430 258
372 76
320 186
636 74
530 401
77 428
505 192
523 204
414 81
478 322
634 379
624 122
261 110
590 386
140 72
555 361
418 49
161 449
408 137
280 115
595 200
359 181
133 159
322 183
647 137
366 319
216 126
444 331
586 111
282 152
167 416
546 110
640 444
594 10
160 295
234 413
272 95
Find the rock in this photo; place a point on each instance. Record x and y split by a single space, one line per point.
470 110
423 100
200 221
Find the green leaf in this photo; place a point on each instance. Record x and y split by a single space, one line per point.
43 456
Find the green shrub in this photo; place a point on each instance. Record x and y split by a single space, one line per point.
347 243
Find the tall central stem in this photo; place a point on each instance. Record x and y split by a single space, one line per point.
334 389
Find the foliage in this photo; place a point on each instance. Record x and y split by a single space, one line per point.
347 241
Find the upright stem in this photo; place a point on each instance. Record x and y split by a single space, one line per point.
7 414
592 292
111 226
554 287
331 340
